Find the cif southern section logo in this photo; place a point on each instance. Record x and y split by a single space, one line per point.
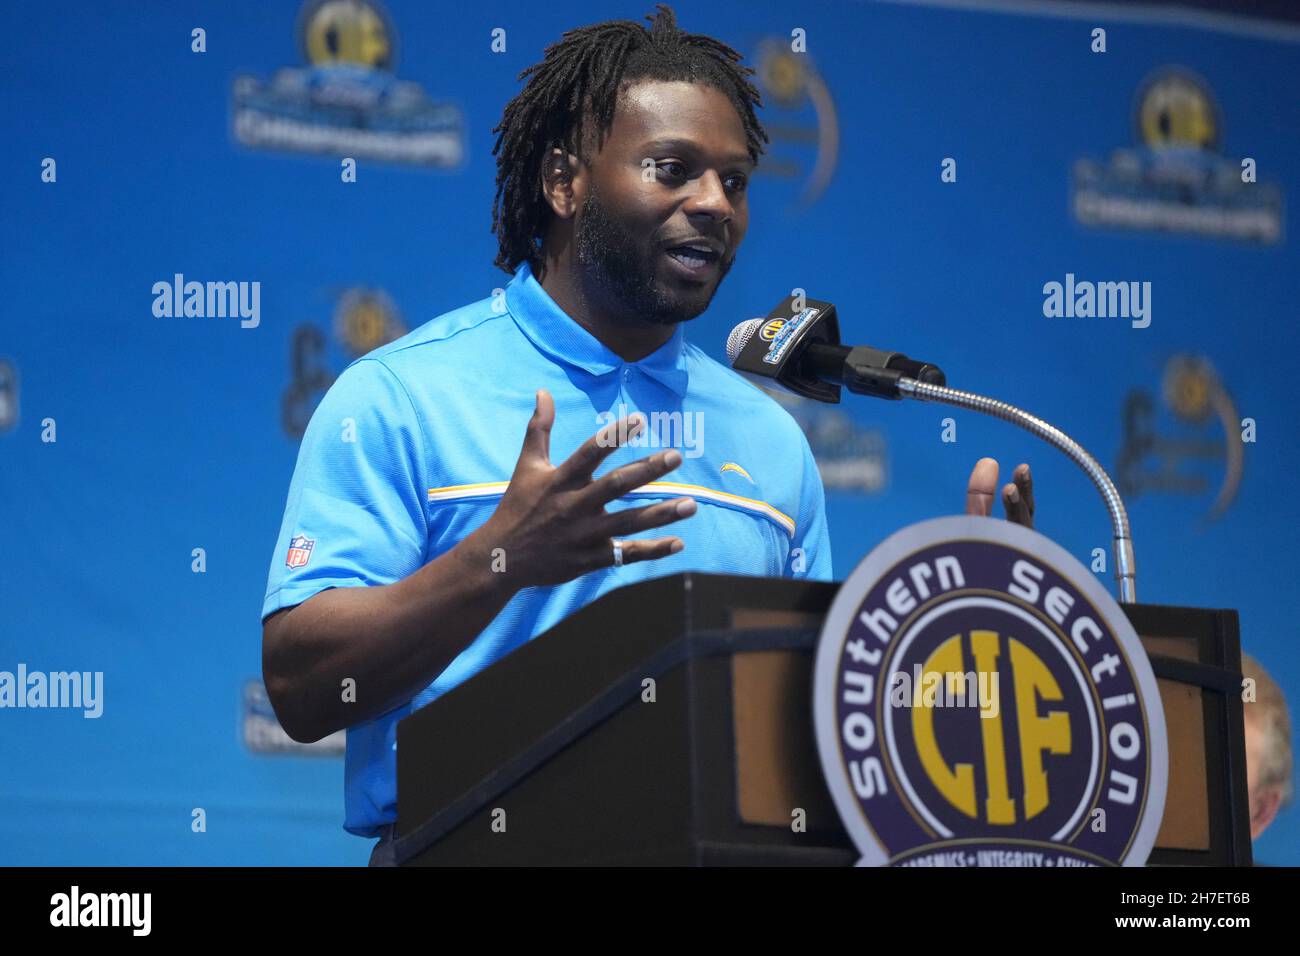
980 700
1176 180
346 100
1172 453
364 319
807 130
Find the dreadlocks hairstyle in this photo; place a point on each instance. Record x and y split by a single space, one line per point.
580 79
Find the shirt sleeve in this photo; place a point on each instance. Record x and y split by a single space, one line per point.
355 512
810 551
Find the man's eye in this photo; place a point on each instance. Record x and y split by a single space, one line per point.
677 170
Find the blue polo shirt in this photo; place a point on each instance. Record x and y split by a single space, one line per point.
412 447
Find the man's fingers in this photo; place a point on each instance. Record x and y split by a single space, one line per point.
1014 506
578 468
1025 483
1018 498
631 520
646 550
628 477
982 487
537 438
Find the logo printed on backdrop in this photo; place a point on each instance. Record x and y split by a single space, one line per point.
261 733
346 101
980 700
364 319
849 456
1160 453
9 404
1175 180
801 117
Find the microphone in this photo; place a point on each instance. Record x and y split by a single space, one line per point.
798 350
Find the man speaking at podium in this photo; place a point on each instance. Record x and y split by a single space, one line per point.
420 543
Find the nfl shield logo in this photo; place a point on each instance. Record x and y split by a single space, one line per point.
299 551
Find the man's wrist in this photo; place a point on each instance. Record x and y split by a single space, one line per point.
486 565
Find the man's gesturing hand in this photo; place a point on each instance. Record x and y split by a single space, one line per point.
552 525
1017 497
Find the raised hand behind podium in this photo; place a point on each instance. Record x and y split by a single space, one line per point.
1017 495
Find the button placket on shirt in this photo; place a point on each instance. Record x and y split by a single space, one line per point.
626 377
623 403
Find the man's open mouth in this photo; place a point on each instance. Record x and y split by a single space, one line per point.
695 261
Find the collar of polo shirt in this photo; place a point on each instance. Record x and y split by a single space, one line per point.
552 330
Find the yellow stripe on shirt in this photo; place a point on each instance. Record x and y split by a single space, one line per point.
486 489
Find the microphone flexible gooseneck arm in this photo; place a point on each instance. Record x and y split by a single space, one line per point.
1125 568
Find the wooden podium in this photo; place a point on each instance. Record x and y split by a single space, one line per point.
670 723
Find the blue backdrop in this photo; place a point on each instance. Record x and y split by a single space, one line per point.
176 434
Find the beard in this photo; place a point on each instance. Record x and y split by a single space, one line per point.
626 272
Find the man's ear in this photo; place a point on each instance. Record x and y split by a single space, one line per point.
563 182
1264 805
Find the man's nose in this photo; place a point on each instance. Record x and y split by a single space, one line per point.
710 198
